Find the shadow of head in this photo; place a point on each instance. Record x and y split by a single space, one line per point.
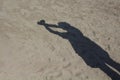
64 25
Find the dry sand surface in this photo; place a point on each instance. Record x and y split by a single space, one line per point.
29 51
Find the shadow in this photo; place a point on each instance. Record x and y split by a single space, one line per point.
93 55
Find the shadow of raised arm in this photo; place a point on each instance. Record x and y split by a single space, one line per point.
47 26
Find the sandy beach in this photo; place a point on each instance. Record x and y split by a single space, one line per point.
77 40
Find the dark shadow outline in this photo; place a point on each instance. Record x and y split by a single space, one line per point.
93 55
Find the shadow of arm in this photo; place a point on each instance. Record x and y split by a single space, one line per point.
52 31
51 25
63 35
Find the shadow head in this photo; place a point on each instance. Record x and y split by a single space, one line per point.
64 25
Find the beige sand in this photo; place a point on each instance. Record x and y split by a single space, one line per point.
30 52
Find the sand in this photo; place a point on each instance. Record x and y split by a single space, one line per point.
28 51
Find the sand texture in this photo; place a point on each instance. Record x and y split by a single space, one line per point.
76 39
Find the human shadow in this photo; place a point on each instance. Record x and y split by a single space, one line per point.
93 55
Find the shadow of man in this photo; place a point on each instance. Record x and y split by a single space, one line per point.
93 55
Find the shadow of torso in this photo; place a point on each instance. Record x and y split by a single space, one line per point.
92 54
